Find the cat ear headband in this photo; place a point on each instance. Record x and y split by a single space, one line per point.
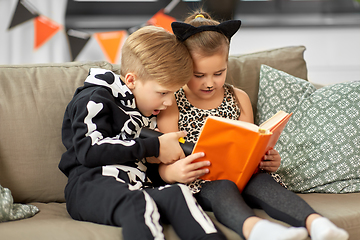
183 30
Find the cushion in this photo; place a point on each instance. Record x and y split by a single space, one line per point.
33 99
320 146
244 70
53 222
10 211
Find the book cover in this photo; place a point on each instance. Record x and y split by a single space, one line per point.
235 148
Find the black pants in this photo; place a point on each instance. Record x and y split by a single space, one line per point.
232 208
107 200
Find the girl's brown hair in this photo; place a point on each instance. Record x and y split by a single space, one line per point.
206 43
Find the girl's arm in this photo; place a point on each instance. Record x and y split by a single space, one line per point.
246 108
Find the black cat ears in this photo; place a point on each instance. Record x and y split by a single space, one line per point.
183 30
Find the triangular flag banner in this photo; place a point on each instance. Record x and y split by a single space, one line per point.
45 28
24 11
110 43
77 41
160 19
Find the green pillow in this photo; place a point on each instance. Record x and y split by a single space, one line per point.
320 146
14 211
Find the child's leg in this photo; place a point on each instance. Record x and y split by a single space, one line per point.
102 199
178 207
263 192
224 199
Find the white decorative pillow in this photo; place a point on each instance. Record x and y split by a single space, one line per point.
320 146
14 211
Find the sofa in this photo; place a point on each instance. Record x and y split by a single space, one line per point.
33 99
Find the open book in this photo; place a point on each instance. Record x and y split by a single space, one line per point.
235 148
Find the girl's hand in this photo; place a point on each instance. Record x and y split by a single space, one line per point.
271 161
184 170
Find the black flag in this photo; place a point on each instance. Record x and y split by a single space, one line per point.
24 11
77 41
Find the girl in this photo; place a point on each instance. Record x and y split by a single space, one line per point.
207 94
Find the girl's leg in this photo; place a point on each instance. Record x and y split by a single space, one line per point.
265 193
224 199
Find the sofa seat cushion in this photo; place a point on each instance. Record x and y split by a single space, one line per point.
341 209
53 222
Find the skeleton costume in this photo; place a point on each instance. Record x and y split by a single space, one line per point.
109 180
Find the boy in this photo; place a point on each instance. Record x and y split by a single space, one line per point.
105 162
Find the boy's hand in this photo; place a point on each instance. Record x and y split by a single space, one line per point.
170 149
184 170
271 161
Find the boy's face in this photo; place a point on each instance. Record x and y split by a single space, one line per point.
150 96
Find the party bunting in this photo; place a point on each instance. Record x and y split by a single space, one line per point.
44 29
110 43
163 20
24 11
77 41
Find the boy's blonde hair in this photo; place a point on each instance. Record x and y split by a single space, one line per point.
206 43
153 53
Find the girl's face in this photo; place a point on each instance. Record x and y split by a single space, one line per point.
209 75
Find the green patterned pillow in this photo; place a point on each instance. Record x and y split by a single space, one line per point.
13 211
320 146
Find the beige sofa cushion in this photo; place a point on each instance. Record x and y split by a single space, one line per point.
53 222
33 99
244 70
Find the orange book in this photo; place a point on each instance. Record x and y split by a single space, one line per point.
235 148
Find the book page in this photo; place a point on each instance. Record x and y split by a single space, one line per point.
274 120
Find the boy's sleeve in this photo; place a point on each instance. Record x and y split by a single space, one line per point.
153 174
94 138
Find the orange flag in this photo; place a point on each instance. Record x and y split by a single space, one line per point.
110 43
45 28
160 19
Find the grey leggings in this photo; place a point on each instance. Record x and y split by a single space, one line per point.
232 208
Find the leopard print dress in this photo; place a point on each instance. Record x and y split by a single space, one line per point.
191 119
